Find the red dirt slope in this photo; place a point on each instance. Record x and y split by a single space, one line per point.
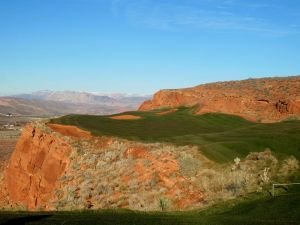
71 131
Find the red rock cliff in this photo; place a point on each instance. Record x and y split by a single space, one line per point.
37 163
269 99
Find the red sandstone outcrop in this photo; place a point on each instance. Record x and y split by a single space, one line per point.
266 100
37 163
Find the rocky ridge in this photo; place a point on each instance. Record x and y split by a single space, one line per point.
263 100
34 168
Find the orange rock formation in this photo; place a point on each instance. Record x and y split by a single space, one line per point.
266 100
35 167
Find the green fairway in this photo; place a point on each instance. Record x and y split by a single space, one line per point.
221 137
255 210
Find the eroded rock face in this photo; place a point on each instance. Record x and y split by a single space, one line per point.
37 163
265 100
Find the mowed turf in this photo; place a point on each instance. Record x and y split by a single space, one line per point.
220 137
255 210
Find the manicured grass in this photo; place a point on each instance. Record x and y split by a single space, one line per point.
221 137
255 210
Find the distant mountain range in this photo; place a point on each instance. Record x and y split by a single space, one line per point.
86 98
68 102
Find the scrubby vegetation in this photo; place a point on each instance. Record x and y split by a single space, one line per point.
118 176
255 209
220 137
117 173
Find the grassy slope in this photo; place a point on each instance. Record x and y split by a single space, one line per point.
221 137
257 210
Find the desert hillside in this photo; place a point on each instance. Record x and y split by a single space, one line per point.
59 167
264 100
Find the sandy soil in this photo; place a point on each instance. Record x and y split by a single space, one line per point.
125 117
70 131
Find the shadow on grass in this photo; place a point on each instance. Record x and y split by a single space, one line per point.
25 220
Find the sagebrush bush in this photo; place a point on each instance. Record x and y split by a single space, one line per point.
240 177
289 167
189 166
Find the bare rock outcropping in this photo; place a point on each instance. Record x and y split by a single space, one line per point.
37 163
265 100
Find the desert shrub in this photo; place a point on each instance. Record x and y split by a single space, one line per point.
147 162
104 189
136 201
289 167
237 182
164 204
238 178
110 156
61 205
86 192
100 164
264 176
91 159
80 151
66 178
222 185
155 180
189 166
75 166
59 193
133 184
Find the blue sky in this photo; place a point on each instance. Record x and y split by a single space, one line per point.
141 46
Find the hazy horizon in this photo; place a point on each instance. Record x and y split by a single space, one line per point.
129 94
78 91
